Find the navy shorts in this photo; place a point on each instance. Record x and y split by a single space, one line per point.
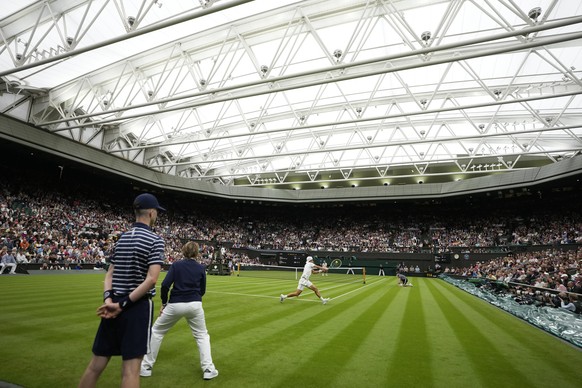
128 335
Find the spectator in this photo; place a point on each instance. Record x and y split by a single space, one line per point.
8 260
567 301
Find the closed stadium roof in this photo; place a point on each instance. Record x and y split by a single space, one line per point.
302 94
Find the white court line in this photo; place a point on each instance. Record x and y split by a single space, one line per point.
297 298
259 296
356 290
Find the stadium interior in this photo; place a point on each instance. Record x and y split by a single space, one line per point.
439 141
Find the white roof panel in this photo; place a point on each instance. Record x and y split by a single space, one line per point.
247 91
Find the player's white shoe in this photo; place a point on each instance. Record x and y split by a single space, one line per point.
282 298
324 300
210 374
145 371
410 284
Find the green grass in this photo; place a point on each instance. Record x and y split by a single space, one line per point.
373 335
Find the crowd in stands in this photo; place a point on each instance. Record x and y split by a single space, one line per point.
550 277
52 226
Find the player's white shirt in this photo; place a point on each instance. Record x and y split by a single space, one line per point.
324 265
307 270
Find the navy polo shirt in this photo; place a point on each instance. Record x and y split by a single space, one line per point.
189 280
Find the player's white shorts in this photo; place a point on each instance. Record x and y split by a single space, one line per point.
304 283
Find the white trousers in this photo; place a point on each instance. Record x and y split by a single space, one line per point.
12 267
194 315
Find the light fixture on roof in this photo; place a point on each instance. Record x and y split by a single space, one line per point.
497 92
534 13
69 40
202 82
422 132
131 20
264 69
338 54
425 36
481 126
18 57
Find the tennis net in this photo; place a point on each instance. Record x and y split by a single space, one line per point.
341 274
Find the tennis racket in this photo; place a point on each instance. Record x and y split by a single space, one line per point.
335 263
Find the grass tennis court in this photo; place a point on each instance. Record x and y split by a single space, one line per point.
373 335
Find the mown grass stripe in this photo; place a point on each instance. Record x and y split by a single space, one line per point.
447 366
412 343
493 366
518 331
366 365
518 339
340 344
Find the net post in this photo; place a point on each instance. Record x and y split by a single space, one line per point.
237 269
364 274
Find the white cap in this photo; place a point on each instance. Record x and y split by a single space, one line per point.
308 258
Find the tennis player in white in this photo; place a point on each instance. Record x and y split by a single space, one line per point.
310 267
